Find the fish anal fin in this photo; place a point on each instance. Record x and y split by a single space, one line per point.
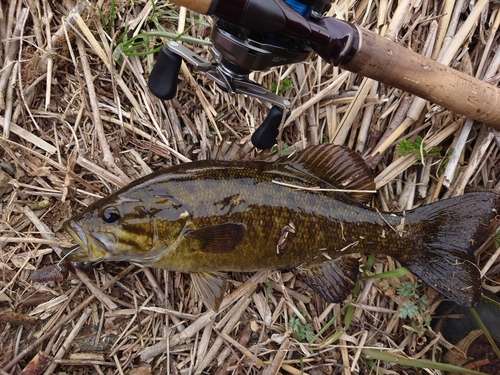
221 238
211 287
333 279
339 166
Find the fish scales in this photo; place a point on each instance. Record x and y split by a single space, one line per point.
211 216
245 193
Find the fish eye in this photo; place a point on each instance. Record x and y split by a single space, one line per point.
110 215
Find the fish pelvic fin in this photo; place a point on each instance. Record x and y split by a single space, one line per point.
448 233
333 280
211 287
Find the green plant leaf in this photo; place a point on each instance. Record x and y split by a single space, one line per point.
369 263
497 239
301 331
285 86
418 363
407 289
486 333
140 44
408 310
332 338
398 272
327 325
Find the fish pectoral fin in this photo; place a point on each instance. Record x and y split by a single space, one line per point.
333 279
222 238
211 287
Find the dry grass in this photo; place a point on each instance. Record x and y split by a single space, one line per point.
78 121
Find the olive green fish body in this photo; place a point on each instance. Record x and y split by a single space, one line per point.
211 216
312 225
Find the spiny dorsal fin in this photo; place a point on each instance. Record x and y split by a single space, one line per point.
337 165
221 238
333 279
211 287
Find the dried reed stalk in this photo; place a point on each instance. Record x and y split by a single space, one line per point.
81 122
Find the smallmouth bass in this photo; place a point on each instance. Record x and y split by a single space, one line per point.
209 217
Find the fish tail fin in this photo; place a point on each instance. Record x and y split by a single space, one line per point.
447 234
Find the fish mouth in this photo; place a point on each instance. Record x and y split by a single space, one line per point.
75 254
76 232
93 246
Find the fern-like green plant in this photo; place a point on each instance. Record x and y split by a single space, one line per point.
417 148
301 331
286 86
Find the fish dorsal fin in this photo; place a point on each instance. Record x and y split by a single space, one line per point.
221 238
333 279
211 287
337 165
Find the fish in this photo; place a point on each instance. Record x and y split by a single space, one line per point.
308 212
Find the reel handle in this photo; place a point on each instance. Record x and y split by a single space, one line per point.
265 135
163 78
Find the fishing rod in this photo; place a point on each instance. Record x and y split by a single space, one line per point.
254 35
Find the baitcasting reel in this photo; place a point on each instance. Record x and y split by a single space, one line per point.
237 52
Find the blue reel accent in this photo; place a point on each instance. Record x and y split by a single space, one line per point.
303 9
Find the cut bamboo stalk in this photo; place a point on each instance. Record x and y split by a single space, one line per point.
458 148
352 111
476 158
366 121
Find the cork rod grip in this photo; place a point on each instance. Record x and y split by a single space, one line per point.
199 6
385 61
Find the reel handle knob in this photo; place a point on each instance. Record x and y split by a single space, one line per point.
265 136
163 78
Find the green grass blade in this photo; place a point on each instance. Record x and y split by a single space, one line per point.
327 325
332 338
490 300
398 272
369 262
373 366
143 40
481 325
348 316
112 16
418 363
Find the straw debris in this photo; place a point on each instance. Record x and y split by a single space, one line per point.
78 122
